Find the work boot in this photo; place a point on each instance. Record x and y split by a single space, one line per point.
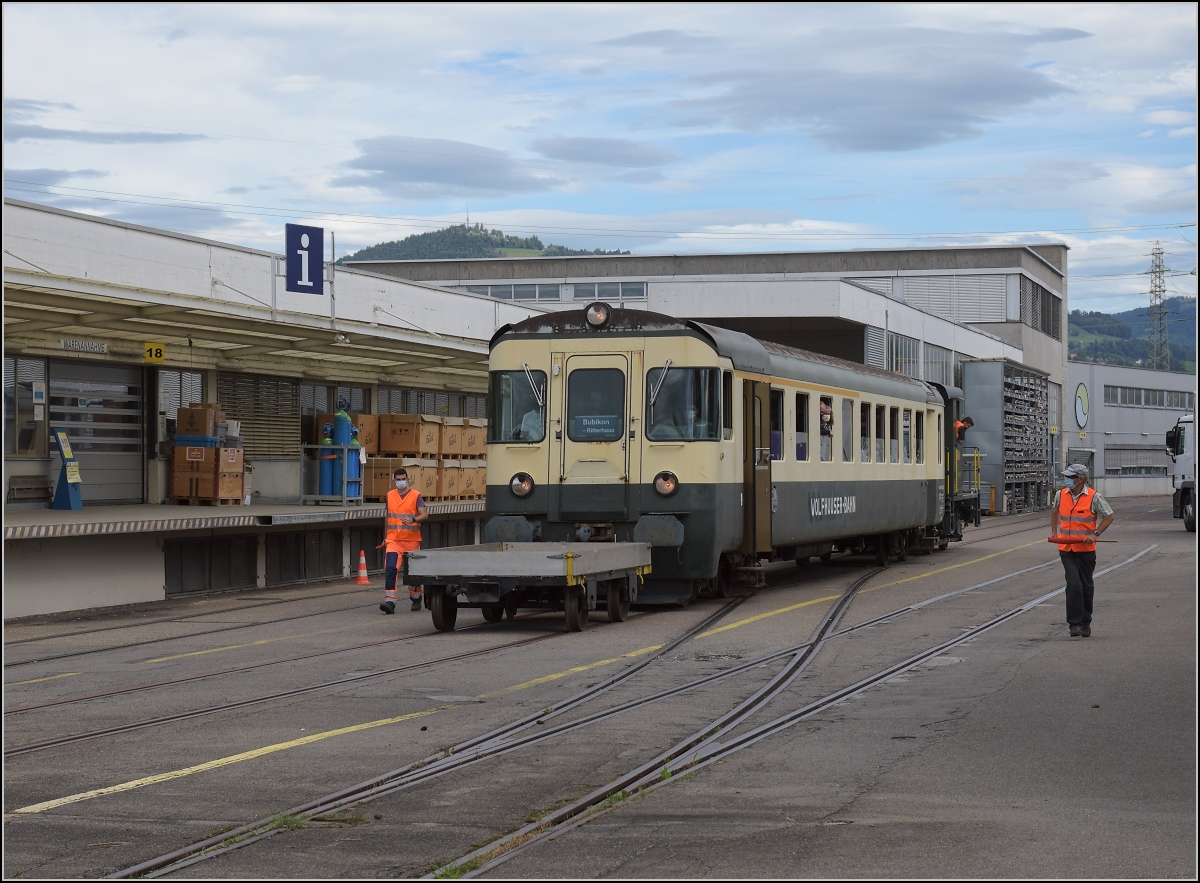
388 606
1085 630
416 604
1076 631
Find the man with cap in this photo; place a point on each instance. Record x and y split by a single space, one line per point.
1077 509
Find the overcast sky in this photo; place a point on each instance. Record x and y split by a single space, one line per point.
658 129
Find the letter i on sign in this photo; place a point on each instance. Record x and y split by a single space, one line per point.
304 253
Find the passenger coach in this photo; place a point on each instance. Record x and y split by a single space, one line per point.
717 449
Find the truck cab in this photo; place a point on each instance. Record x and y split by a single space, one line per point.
1181 447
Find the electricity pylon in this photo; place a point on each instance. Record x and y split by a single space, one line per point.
1160 351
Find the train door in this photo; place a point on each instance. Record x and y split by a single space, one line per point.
756 468
594 416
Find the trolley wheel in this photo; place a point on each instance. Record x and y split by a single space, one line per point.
510 605
827 557
725 578
493 612
902 547
882 549
618 602
1189 515
575 607
444 607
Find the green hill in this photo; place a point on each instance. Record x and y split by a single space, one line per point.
1123 338
460 241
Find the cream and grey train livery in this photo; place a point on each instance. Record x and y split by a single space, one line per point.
717 449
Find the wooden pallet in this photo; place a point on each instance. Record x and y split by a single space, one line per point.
422 455
207 501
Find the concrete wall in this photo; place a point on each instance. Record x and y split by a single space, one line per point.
78 573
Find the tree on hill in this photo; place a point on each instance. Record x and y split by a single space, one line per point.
461 241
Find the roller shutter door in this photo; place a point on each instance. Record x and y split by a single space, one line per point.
269 411
100 407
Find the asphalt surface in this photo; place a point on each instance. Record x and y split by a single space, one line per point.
1022 753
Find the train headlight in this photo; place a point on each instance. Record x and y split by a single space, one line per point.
665 483
521 484
598 314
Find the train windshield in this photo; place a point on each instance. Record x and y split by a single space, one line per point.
683 403
595 404
516 406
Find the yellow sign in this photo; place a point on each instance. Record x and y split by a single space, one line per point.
73 473
154 353
1054 430
64 445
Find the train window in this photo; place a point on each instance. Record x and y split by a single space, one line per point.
864 432
516 406
920 436
682 403
801 426
880 427
727 405
595 404
826 410
939 437
894 434
847 430
776 424
907 434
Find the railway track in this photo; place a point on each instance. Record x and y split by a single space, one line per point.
512 737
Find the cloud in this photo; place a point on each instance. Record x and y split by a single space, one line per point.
902 90
27 132
399 165
669 40
28 108
1170 117
605 152
48 177
1180 133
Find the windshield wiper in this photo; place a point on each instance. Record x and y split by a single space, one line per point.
537 393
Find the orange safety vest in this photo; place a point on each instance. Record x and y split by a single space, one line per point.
402 537
1077 520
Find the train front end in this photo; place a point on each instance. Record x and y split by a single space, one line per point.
604 425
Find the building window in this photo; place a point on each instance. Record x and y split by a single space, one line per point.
903 355
525 291
1041 309
1132 460
1133 396
939 365
609 291
24 407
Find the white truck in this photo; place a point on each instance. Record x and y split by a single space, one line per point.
1181 446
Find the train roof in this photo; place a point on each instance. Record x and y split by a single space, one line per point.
747 353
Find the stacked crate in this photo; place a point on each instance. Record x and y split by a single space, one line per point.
378 481
207 475
473 461
412 441
450 458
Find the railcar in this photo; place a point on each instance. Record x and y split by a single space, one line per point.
718 450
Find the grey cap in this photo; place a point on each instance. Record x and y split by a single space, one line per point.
1075 469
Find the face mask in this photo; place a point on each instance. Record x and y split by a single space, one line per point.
401 484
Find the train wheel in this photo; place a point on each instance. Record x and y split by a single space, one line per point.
618 602
725 578
575 607
444 607
882 549
493 612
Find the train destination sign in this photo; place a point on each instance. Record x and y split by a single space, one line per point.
600 427
820 507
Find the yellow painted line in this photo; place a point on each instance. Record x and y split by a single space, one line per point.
241 646
215 764
69 674
789 609
570 671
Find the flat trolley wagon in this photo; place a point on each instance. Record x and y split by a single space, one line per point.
503 577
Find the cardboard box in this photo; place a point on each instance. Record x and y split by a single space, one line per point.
207 460
452 437
196 421
220 485
472 482
449 479
409 434
475 438
422 475
368 430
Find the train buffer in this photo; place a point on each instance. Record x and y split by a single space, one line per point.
502 578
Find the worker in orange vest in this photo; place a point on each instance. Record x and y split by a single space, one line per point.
961 427
402 533
1077 508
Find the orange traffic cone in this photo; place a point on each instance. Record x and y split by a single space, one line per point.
362 569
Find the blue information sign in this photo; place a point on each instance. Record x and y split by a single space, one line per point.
305 259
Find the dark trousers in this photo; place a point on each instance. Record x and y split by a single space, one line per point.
1079 567
391 571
